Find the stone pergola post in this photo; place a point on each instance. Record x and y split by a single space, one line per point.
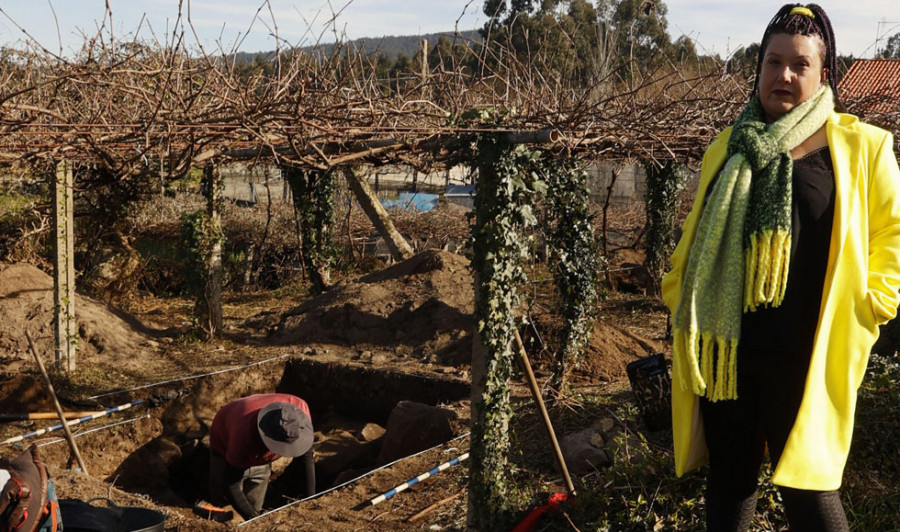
210 301
65 325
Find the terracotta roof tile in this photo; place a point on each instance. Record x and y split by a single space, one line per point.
872 86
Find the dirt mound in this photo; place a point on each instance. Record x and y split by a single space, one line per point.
106 335
611 349
23 393
421 307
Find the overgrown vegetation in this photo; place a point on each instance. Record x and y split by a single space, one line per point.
503 210
314 195
661 198
576 261
639 491
23 230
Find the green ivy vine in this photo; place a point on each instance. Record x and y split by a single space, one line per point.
506 189
202 240
575 262
199 238
512 179
314 195
661 199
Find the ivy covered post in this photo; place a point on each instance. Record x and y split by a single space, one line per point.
576 262
661 205
313 192
502 211
203 240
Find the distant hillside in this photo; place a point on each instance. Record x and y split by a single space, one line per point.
391 46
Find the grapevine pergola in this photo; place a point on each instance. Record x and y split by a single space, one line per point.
138 111
129 107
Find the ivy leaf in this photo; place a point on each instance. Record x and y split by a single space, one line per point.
528 215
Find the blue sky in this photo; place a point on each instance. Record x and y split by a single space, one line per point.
718 26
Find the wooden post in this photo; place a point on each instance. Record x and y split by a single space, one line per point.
66 327
545 417
479 370
59 410
376 212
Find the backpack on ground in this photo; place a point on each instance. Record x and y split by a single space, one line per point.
28 499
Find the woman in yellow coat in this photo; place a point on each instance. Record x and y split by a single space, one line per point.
788 263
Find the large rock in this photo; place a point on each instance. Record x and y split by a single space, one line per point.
342 450
414 427
584 451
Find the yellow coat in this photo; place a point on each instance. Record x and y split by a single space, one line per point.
860 293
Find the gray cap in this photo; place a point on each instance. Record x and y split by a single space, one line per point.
285 429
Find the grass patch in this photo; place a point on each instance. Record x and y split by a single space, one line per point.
639 491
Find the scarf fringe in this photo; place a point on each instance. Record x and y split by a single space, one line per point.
710 363
741 276
766 263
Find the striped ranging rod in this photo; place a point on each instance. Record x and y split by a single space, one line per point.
411 482
84 419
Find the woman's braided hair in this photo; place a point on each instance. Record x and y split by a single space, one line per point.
785 22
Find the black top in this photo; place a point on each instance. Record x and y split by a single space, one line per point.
792 325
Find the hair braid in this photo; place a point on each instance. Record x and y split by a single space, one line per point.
799 24
830 62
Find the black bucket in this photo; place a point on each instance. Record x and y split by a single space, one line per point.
652 387
137 519
81 516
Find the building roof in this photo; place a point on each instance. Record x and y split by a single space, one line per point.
872 86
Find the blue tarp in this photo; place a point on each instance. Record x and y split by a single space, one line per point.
412 200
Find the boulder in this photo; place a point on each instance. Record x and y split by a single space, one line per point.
583 451
414 427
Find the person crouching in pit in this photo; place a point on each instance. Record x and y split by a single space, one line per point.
246 436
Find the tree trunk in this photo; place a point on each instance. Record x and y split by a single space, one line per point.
614 175
380 218
313 196
661 204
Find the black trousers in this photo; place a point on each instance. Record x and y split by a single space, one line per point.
770 389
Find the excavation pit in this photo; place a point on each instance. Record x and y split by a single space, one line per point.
164 455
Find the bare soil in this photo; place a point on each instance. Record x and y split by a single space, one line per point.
371 332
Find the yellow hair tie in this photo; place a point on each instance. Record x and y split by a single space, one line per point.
800 10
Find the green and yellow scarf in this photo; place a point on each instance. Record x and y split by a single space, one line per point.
740 255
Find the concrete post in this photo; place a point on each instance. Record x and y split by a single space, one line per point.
66 326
